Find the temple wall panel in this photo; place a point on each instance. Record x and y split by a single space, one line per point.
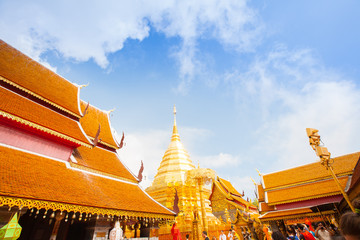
21 139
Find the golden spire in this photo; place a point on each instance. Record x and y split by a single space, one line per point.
175 135
175 163
174 115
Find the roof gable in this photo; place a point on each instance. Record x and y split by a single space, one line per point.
91 121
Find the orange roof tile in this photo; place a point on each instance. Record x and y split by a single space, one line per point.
34 77
243 201
34 113
282 214
30 176
312 171
234 194
306 191
261 192
102 160
91 121
264 207
228 186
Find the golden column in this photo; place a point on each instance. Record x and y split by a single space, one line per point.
326 161
201 176
202 204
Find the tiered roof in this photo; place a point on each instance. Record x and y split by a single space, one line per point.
308 181
232 195
23 111
93 179
48 180
102 160
228 187
343 165
91 121
304 192
303 187
25 74
260 192
293 213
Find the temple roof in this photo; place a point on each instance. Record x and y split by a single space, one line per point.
228 186
309 185
91 121
231 194
310 172
306 191
264 207
23 111
356 175
33 177
283 214
103 160
260 192
25 74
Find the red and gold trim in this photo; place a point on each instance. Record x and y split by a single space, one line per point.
47 205
41 128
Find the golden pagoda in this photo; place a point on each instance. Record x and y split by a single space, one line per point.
177 177
173 167
202 199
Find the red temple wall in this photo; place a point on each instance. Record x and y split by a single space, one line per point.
310 202
21 139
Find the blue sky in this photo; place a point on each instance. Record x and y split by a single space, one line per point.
247 77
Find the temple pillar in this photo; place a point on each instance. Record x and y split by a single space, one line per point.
196 227
202 204
137 230
101 228
55 230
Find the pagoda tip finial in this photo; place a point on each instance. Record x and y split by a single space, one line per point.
174 114
175 135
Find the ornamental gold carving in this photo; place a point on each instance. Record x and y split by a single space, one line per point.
38 204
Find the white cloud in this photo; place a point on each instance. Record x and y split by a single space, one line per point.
83 30
331 107
290 91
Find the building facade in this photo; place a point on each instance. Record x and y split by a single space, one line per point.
60 173
304 193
